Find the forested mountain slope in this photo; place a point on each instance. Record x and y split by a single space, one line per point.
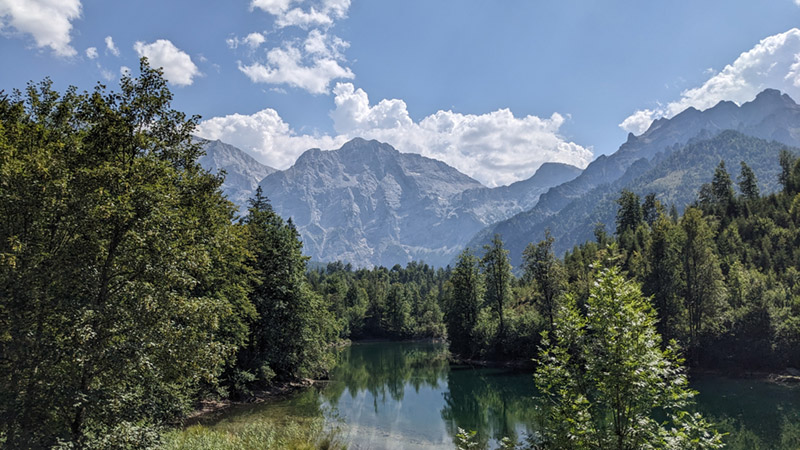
771 115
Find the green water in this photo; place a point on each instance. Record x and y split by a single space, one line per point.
406 396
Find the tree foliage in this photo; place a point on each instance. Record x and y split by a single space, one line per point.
543 268
603 376
292 331
119 266
464 304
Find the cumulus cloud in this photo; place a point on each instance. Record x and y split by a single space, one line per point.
111 47
319 14
265 135
178 66
91 52
252 40
48 22
496 148
772 63
311 63
289 65
274 7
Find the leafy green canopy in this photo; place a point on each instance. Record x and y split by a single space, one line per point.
604 377
122 282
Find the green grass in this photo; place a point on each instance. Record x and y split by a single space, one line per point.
262 434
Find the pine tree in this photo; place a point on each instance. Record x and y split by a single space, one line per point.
464 304
722 186
290 335
497 272
629 214
748 185
543 268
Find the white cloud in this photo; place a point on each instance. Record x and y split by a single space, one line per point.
265 135
638 122
772 63
91 52
178 66
48 21
324 45
111 47
105 73
303 19
124 71
496 148
252 40
273 7
321 14
311 63
288 65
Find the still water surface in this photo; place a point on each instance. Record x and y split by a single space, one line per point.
404 395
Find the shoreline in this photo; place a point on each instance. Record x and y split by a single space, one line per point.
785 377
209 410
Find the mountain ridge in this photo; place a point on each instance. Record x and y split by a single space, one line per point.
242 171
771 115
369 204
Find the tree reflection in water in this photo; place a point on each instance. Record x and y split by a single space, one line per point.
406 395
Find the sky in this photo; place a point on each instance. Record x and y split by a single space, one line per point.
493 88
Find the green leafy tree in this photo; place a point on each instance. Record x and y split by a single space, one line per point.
703 285
497 272
398 311
603 376
123 284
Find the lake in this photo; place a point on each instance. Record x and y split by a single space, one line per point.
405 395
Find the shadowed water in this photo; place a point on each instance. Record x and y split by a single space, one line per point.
404 395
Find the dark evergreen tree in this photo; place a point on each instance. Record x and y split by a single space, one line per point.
464 303
497 272
629 214
543 268
293 328
748 185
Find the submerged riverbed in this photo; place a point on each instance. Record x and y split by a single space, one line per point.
405 395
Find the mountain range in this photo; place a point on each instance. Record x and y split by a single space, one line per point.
242 171
771 116
369 204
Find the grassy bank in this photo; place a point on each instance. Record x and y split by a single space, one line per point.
265 433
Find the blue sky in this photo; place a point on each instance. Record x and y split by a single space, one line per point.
494 88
